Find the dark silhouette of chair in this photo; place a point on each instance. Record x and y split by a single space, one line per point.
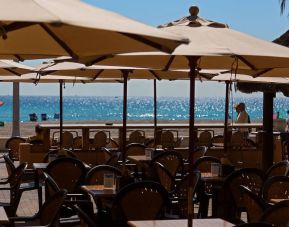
48 213
278 169
251 178
179 197
67 138
77 142
169 140
68 173
145 200
12 145
28 177
164 177
56 154
135 149
276 188
96 174
204 192
100 139
277 214
171 160
44 117
205 138
137 136
13 185
253 204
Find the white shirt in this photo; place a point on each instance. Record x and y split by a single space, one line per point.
242 117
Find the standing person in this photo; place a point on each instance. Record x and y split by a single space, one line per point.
243 116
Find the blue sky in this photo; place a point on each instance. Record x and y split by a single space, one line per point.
258 18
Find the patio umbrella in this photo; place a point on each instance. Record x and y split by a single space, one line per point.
34 78
47 28
12 68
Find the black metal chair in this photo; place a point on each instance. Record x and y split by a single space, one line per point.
275 188
278 169
12 145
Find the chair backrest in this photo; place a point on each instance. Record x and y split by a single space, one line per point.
135 149
278 169
143 200
205 138
9 164
67 172
69 153
77 142
276 188
181 192
49 211
203 164
96 174
51 186
168 139
172 160
67 140
164 176
251 178
137 136
100 139
13 145
14 181
277 214
253 204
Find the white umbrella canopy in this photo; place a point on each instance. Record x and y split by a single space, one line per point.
47 28
9 68
68 68
215 45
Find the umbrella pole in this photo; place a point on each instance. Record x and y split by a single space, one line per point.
155 113
192 76
226 119
124 116
16 110
61 113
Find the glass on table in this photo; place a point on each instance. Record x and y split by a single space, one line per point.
109 181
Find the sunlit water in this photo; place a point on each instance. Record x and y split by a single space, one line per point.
139 108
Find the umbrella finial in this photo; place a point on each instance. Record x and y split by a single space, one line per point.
194 10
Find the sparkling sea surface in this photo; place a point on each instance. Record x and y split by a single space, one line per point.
139 108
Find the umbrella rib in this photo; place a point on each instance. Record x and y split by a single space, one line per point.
246 62
148 42
12 71
92 62
262 72
60 42
169 63
17 25
97 75
154 74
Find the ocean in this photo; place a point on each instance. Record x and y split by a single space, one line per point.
139 108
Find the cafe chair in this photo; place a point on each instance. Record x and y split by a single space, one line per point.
278 169
145 200
55 152
276 188
164 177
205 138
134 149
100 139
277 215
96 174
171 160
48 214
12 145
28 177
251 178
169 140
204 191
13 185
67 139
179 197
253 204
137 136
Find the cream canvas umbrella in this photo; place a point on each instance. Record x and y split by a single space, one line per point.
47 28
12 68
34 78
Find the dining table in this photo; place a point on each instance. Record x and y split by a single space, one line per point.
182 223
